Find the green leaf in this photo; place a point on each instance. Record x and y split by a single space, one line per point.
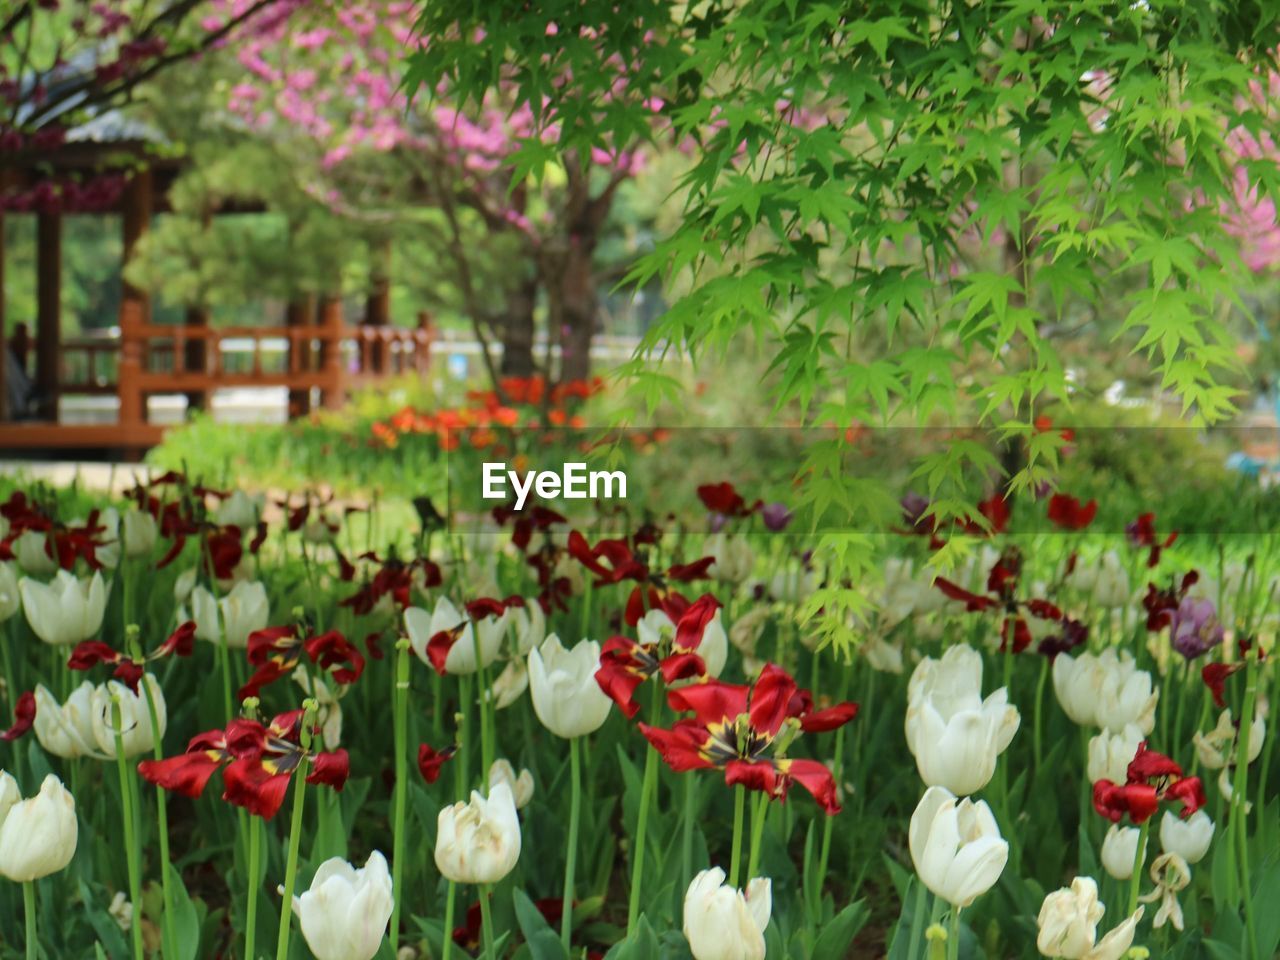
543 942
837 936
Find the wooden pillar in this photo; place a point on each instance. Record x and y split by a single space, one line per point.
195 356
135 305
377 305
297 318
4 336
48 311
331 394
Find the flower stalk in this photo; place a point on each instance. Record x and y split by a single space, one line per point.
400 700
571 856
133 865
295 832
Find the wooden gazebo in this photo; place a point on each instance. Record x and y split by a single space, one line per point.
323 353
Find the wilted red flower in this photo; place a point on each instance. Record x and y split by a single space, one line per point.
395 578
63 544
431 761
258 763
1069 513
1151 778
746 730
24 715
1161 605
442 641
627 663
1002 585
277 651
1141 532
90 653
724 499
613 561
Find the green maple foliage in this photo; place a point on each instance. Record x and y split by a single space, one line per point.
905 200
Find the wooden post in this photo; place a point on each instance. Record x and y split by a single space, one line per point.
298 317
48 311
196 352
4 336
331 394
377 305
135 305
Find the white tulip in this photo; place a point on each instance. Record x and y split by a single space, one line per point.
1217 748
65 611
243 611
1068 924
10 601
66 730
1111 753
239 510
183 585
37 836
329 710
461 658
344 914
882 656
511 683
1105 690
479 842
1188 838
1120 851
1171 875
906 593
793 584
139 533
956 846
734 558
562 683
108 552
713 648
530 625
30 549
722 923
136 733
521 786
745 632
952 732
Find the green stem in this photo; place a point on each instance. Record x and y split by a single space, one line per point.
647 788
917 921
130 840
251 909
29 909
571 856
759 813
953 941
400 699
1039 713
486 921
463 769
291 868
447 947
1239 796
162 825
1139 862
739 802
686 835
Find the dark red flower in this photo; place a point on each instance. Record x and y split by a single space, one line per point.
129 671
627 663
393 577
277 651
1215 676
432 761
1151 778
258 762
24 715
528 521
1002 585
1162 604
746 730
1069 513
724 499
1141 532
613 561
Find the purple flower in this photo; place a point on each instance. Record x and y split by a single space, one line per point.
776 516
717 522
1194 627
913 507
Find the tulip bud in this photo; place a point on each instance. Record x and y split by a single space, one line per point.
244 610
344 915
31 550
1110 754
66 610
1188 838
722 923
37 836
10 601
562 683
1068 925
479 842
956 846
66 730
328 709
139 533
521 787
136 734
734 558
1120 851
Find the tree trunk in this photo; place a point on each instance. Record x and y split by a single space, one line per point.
518 329
579 306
